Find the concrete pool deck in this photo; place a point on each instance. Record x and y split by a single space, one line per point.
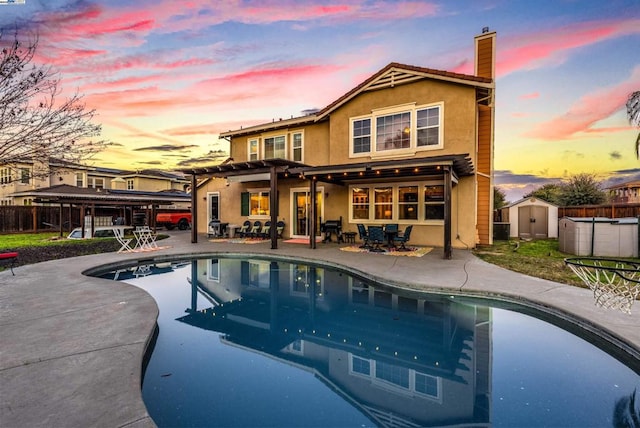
72 346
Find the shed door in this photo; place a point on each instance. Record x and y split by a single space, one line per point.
533 222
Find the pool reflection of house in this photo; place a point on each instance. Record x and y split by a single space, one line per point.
403 361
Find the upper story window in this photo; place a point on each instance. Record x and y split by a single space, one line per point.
275 147
253 150
96 182
397 129
79 179
130 184
5 175
296 147
25 175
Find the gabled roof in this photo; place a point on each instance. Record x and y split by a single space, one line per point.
628 185
392 75
520 201
397 74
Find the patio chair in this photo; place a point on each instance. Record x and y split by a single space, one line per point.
255 229
376 237
215 229
244 230
265 233
124 242
364 236
390 232
280 228
403 238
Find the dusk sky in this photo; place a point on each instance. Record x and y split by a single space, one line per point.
166 76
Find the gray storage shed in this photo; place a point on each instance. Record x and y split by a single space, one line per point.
599 236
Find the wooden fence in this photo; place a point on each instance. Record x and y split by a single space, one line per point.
18 218
608 210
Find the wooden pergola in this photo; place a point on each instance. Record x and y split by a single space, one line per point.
447 167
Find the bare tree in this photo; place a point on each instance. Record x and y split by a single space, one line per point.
633 113
34 125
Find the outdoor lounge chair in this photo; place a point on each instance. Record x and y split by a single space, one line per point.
265 233
255 229
244 230
403 238
364 236
279 228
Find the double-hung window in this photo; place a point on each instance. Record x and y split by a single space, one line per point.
400 129
274 147
253 150
296 147
434 202
361 132
25 175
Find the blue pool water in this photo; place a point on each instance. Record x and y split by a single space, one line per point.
256 343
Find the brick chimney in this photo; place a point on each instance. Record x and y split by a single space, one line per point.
486 54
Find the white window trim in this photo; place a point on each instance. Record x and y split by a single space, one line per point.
213 271
291 135
273 135
413 148
396 206
259 216
392 387
249 141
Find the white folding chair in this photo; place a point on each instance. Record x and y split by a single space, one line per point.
124 242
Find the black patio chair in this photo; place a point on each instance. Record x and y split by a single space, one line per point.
364 236
376 237
279 228
403 238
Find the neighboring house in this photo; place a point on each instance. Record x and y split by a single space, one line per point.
409 145
531 218
17 183
625 193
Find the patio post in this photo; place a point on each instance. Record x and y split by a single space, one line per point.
194 210
311 225
273 207
447 212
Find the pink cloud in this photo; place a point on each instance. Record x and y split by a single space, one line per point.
590 109
535 50
530 96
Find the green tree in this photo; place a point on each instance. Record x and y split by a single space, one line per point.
582 189
549 192
34 125
499 198
633 113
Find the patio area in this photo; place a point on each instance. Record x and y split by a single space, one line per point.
73 345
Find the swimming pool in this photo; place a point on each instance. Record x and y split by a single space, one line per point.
257 342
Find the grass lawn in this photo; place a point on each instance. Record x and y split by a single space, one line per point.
539 258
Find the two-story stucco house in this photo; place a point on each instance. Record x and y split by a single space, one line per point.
409 145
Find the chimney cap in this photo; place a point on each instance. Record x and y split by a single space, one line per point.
485 30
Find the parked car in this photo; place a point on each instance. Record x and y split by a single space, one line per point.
171 220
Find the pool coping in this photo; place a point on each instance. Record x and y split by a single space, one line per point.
72 348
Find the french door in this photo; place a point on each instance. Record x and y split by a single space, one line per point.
301 211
